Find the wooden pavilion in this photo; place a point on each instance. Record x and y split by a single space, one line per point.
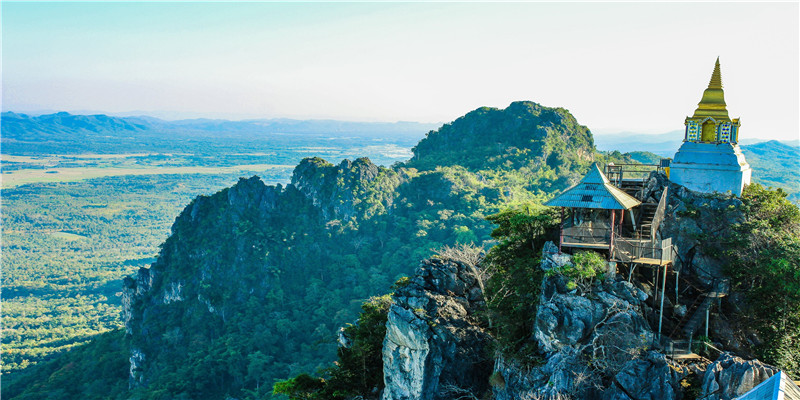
595 214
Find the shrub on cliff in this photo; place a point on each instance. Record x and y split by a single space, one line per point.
585 268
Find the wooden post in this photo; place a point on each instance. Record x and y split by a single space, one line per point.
611 241
561 231
706 342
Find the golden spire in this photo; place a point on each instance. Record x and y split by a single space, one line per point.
713 102
716 77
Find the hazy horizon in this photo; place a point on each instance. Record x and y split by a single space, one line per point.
637 67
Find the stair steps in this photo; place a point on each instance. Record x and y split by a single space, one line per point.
698 318
646 218
632 187
695 313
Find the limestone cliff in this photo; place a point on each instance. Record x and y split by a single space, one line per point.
593 345
434 346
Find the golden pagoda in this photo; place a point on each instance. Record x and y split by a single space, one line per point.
710 122
710 160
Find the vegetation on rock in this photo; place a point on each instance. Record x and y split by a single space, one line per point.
512 290
765 265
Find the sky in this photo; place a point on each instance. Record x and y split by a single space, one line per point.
618 67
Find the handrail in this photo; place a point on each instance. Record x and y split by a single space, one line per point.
615 172
658 218
576 234
627 251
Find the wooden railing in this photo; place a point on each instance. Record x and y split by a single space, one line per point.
586 235
629 251
659 216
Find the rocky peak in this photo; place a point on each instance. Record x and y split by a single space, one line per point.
434 346
730 376
350 189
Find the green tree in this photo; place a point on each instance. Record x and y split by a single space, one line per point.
516 279
765 265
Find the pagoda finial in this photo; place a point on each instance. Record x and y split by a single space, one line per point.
716 77
713 102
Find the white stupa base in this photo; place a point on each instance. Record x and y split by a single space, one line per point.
710 167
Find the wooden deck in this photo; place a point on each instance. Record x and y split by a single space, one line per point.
585 245
647 261
604 246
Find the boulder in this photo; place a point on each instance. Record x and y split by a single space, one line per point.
731 376
652 377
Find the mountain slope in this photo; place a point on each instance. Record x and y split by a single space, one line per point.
775 164
522 133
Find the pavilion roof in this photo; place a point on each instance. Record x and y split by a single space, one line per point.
594 191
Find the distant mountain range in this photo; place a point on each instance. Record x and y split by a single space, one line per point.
662 144
774 163
15 124
65 133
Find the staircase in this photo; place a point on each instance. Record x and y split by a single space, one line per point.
632 187
696 312
648 213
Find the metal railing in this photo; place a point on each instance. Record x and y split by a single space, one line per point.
616 173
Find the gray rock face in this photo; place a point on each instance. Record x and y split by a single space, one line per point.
434 348
652 377
730 376
585 340
689 216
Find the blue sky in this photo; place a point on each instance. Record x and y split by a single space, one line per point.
617 66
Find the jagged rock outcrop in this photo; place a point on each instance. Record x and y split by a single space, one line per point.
731 376
434 347
340 191
587 341
652 377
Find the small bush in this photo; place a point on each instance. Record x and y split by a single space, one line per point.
401 283
585 267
